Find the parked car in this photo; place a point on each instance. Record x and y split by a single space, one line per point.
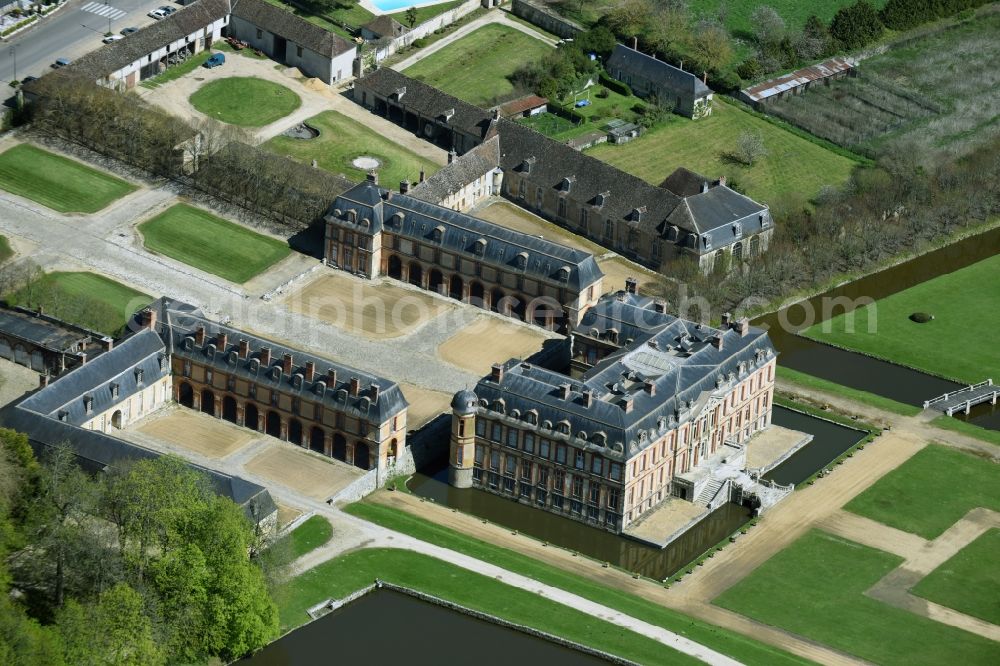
112 38
168 10
129 31
215 60
157 14
61 62
29 79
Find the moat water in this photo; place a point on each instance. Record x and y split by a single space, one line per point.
829 440
386 627
863 372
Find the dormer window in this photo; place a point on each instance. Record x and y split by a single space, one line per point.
601 199
479 247
399 92
531 416
438 233
88 404
527 164
447 114
764 219
114 391
566 183
396 220
636 215
563 427
499 406
352 216
737 230
138 375
522 260
563 274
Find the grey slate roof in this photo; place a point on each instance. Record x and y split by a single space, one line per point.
429 101
480 160
460 232
143 351
184 22
285 24
720 215
178 323
385 26
637 63
41 330
684 368
684 182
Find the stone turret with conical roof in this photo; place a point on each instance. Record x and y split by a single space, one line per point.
462 450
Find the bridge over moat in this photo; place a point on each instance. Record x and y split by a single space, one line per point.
964 399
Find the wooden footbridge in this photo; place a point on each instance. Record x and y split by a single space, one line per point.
964 399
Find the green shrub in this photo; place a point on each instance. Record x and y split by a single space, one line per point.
420 42
921 317
614 84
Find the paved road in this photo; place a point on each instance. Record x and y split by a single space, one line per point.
71 32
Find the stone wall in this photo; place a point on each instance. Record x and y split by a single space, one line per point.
546 19
427 27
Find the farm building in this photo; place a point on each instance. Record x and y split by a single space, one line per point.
383 26
524 107
682 91
797 82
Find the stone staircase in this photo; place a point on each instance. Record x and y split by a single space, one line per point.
709 491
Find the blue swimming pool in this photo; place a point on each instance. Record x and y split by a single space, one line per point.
397 5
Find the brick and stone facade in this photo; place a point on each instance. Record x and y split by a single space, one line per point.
659 398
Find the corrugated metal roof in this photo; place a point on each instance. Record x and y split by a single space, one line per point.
799 77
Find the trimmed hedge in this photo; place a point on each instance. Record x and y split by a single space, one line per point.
614 84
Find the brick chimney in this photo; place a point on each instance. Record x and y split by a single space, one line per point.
564 391
374 392
404 187
265 356
722 180
286 364
717 341
244 348
727 319
632 285
451 156
496 373
331 378
588 398
660 306
222 341
310 371
148 318
43 381
199 336
649 387
743 327
372 177
355 386
423 176
627 403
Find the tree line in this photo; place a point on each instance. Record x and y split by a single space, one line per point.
209 155
141 565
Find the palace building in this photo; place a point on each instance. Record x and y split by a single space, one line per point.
373 231
660 400
652 225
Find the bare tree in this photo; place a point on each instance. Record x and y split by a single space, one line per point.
749 147
767 24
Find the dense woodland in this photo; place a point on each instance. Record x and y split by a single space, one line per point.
140 565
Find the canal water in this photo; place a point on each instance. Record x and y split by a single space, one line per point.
386 627
863 372
829 441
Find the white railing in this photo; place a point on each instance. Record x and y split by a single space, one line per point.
951 394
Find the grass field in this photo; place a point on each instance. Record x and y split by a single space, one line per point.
930 492
970 581
314 532
793 171
217 246
245 101
6 251
341 140
347 573
733 644
795 12
57 182
85 299
955 299
970 429
880 402
815 588
910 96
598 113
475 68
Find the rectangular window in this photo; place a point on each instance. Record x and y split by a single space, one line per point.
561 454
494 460
477 474
557 502
543 476
597 465
508 485
495 432
559 482
524 490
529 442
260 33
512 437
494 480
543 449
595 494
616 471
578 461
575 507
510 466
480 455
608 229
592 513
583 218
525 470
298 51
540 496
481 427
611 498
577 486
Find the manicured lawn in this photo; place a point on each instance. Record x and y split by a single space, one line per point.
815 588
86 299
931 491
475 68
347 573
61 184
735 645
245 101
793 171
970 581
964 310
598 114
214 245
808 381
970 429
310 535
795 12
341 140
177 71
